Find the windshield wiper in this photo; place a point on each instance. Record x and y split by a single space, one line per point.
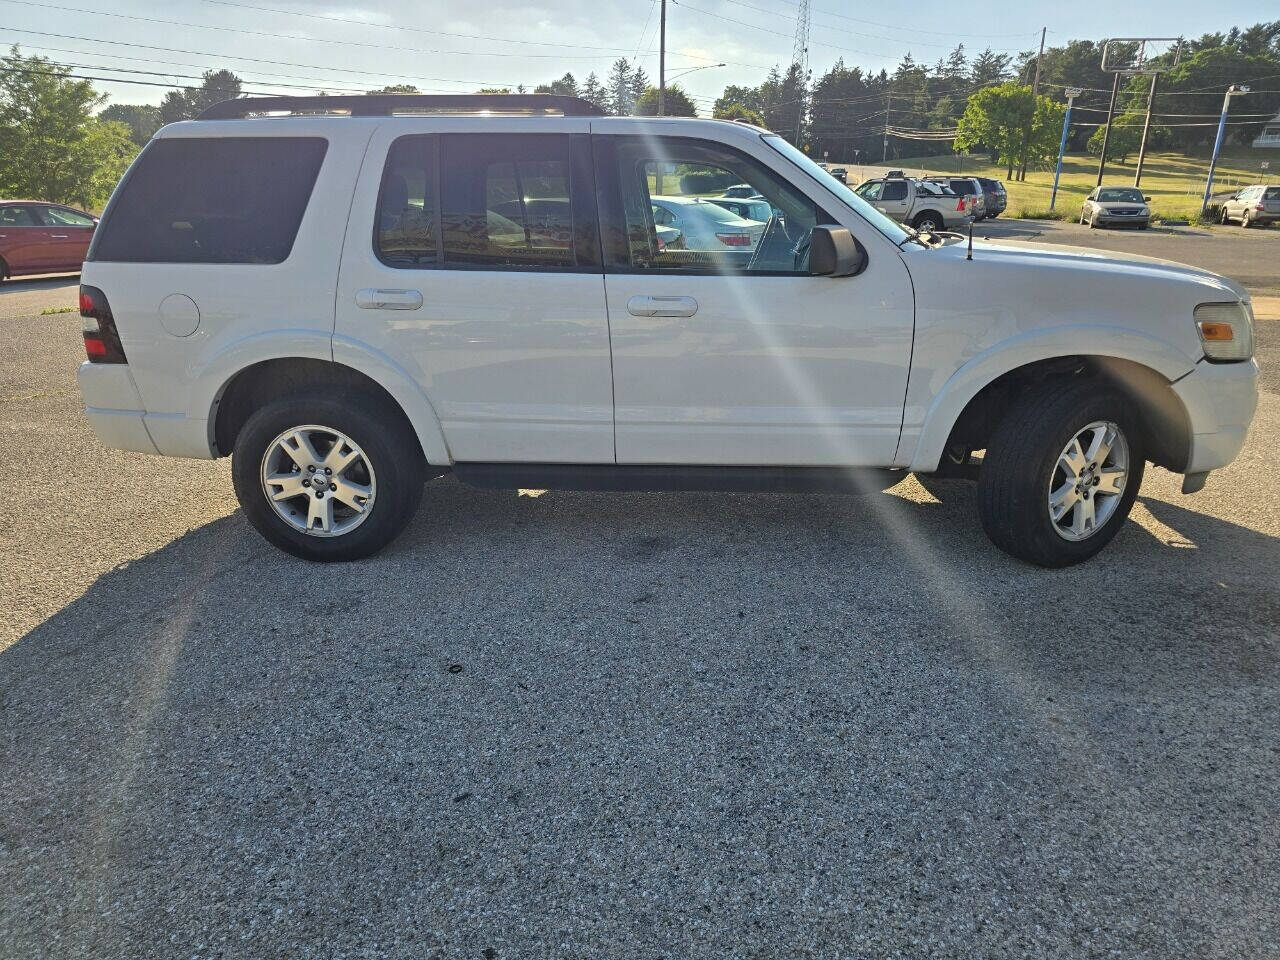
917 236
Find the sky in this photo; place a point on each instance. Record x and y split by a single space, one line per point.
292 46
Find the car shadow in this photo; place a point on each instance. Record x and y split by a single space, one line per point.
533 696
44 281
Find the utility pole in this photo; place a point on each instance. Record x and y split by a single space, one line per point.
662 62
1106 137
1146 126
1035 90
884 158
800 63
1072 93
1234 90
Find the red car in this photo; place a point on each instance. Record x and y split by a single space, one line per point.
38 237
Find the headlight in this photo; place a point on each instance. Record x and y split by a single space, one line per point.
1226 330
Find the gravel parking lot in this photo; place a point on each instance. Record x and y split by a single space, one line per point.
636 726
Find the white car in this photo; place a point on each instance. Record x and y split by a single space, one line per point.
321 296
705 224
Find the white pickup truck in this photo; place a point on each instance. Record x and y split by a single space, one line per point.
928 207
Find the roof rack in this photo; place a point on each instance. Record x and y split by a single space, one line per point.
389 104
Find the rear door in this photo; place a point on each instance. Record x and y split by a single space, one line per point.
739 357
472 263
25 243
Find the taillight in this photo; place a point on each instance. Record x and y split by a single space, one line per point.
101 339
960 205
734 239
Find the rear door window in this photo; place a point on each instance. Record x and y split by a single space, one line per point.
501 201
16 216
212 200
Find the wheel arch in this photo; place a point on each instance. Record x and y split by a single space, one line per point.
252 385
973 399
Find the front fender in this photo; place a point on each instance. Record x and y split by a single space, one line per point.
921 448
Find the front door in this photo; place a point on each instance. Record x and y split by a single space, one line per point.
730 353
472 263
71 231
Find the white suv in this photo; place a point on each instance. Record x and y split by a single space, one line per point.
352 294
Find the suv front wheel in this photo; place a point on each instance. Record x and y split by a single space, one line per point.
328 479
1061 473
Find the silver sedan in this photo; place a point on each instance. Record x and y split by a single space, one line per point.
1116 206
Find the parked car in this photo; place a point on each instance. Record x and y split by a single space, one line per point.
840 173
38 237
740 190
705 224
751 208
994 195
1259 204
969 188
927 206
318 295
1116 206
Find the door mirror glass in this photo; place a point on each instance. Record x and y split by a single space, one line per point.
1146 199
834 253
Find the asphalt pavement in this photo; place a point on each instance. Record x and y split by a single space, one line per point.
636 726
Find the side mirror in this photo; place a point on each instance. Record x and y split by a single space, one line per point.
1146 199
834 253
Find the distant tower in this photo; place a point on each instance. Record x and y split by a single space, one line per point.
800 58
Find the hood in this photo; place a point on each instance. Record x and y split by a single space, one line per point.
1107 264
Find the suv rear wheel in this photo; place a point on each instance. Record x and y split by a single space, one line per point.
1061 473
326 479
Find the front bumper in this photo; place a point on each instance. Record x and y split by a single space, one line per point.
1220 400
1111 220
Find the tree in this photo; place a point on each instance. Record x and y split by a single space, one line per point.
676 103
736 111
52 147
494 90
999 118
593 91
618 95
1126 134
189 102
397 88
142 119
639 84
566 86
989 68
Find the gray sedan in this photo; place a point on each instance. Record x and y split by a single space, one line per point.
1116 206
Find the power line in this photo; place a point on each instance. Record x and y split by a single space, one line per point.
305 39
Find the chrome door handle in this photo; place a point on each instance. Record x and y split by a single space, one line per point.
57 236
378 298
662 306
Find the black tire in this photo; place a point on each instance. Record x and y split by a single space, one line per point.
928 221
388 442
1018 470
1222 217
1245 221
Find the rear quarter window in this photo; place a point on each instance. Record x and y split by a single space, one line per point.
211 200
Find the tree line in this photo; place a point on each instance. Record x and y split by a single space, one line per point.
60 140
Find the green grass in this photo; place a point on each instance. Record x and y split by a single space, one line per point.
50 311
1174 181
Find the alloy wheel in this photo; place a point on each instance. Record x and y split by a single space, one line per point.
1088 480
318 480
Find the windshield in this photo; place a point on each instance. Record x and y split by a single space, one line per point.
888 227
1120 195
